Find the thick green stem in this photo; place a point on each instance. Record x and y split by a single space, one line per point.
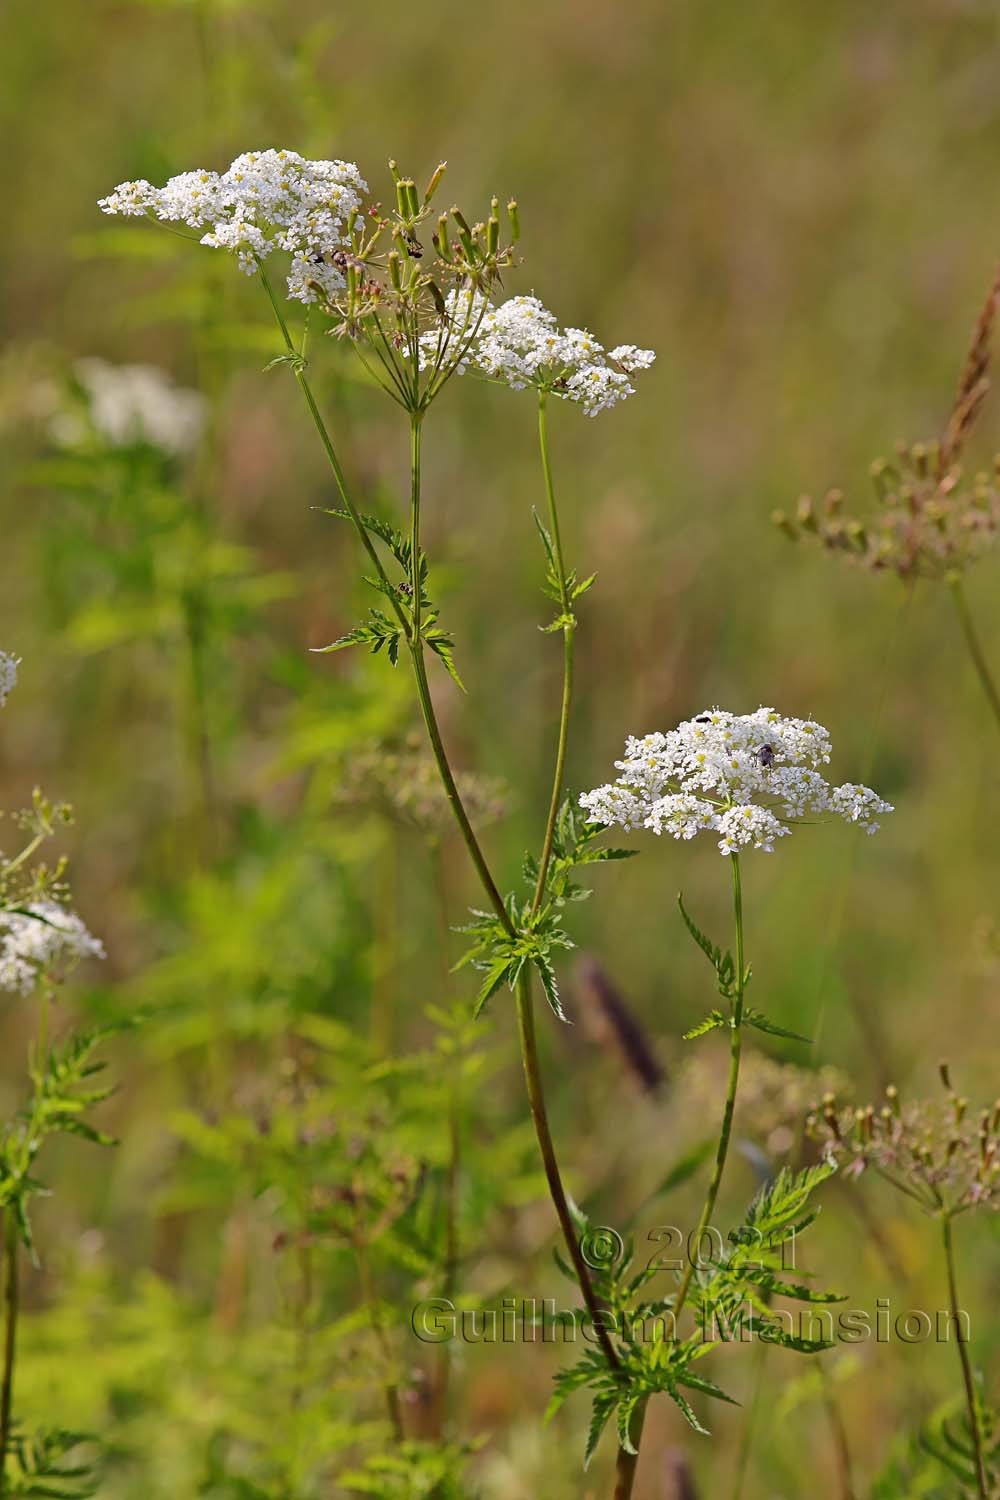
983 672
11 1304
627 1462
963 1354
568 632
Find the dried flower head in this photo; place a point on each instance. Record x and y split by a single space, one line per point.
934 1150
8 675
931 520
746 777
127 404
401 781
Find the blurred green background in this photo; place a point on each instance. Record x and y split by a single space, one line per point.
795 205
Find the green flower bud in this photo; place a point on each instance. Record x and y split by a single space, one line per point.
515 221
435 181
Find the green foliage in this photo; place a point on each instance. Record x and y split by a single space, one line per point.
61 1094
724 965
378 631
51 1465
731 1298
533 931
415 1471
558 587
722 962
938 1462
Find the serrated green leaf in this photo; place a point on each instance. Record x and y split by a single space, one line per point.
758 1020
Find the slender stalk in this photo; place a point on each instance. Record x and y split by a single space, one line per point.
539 1114
453 1171
11 1300
963 1354
384 975
628 1462
983 672
392 1402
451 790
735 1049
202 770
841 1448
416 645
569 632
526 1026
749 1426
331 454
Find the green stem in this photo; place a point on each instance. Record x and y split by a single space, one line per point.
331 455
525 1012
628 1462
414 641
569 632
960 602
391 1390
451 789
963 1354
746 1442
536 1101
11 1304
423 687
202 770
735 1048
841 1448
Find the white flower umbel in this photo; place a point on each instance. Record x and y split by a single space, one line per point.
744 777
44 940
8 675
521 344
265 201
129 404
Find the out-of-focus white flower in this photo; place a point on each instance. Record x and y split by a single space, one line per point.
521 344
265 201
8 675
132 404
43 940
744 777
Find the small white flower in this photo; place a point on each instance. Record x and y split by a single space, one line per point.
45 940
520 343
8 675
744 777
631 359
264 201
